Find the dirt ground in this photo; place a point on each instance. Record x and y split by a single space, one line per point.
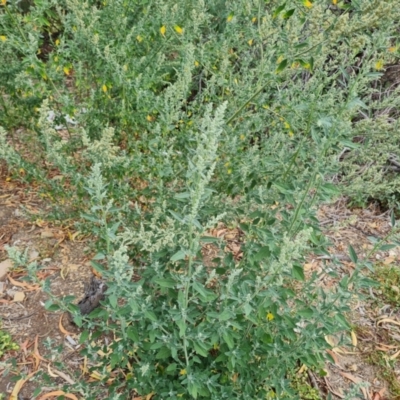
371 361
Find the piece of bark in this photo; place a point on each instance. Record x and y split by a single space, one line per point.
94 293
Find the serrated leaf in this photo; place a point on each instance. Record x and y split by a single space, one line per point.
353 254
163 353
264 252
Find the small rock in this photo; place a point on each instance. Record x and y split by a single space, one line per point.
5 266
19 296
33 255
47 234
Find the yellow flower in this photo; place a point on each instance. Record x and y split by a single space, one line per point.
3 2
230 17
250 42
183 372
242 137
3 38
229 171
307 3
162 30
150 118
379 65
66 70
334 2
139 38
104 88
178 29
254 20
196 63
270 316
286 124
392 49
57 42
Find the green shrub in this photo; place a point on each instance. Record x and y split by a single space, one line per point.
188 114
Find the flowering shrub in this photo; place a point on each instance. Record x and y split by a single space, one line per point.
165 118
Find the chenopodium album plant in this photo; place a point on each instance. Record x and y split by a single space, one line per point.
159 170
185 327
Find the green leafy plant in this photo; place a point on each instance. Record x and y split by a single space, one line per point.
6 343
155 121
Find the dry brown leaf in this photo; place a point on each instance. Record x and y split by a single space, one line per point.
395 355
334 356
355 379
62 329
353 339
58 393
64 376
389 260
5 266
389 320
23 284
18 386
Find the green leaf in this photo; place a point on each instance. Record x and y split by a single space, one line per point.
226 315
206 294
182 196
199 349
282 65
279 10
177 216
179 255
353 254
84 336
163 353
228 339
150 315
171 367
289 13
165 282
306 312
298 273
133 334
264 252
386 247
115 359
51 307
91 218
349 144
342 320
113 300
209 239
99 256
